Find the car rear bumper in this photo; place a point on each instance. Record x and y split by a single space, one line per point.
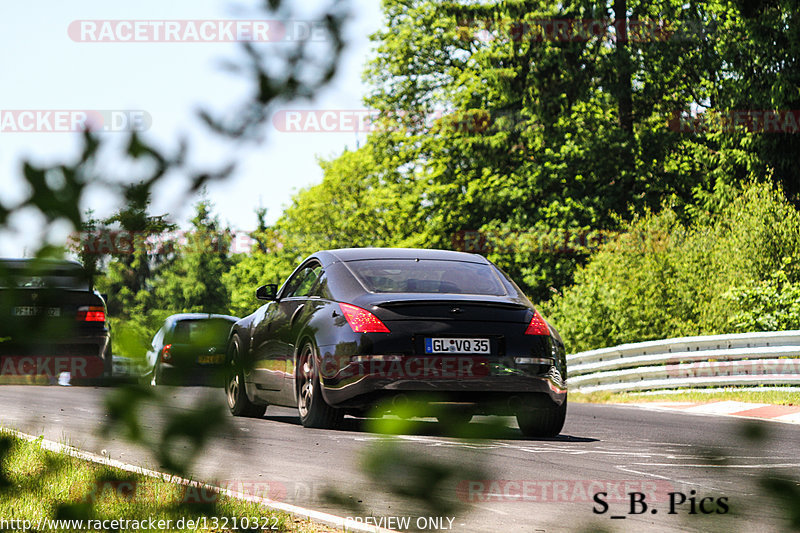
83 357
195 374
492 383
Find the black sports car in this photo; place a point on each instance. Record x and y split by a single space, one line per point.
353 328
52 321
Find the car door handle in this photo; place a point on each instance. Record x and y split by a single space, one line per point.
296 312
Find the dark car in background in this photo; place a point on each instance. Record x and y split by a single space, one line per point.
354 328
52 321
188 349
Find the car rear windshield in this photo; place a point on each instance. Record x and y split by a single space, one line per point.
427 276
202 331
31 275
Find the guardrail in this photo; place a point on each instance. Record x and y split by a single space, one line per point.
766 358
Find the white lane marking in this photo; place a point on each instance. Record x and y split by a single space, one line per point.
336 521
793 418
498 511
724 408
559 449
671 404
773 465
715 408
678 482
710 410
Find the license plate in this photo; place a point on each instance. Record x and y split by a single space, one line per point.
210 359
29 310
433 345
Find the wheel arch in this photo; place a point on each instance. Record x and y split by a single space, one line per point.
306 336
237 334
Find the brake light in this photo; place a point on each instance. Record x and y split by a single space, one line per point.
537 326
362 321
91 314
166 355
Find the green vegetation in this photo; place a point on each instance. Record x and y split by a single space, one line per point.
732 270
154 271
549 147
42 485
513 135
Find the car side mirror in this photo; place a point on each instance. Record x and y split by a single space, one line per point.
267 292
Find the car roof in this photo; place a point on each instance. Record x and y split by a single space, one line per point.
361 254
24 262
199 316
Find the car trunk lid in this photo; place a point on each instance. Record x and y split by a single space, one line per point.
452 309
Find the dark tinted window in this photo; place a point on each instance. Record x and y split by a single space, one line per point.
201 332
33 275
427 276
321 289
302 283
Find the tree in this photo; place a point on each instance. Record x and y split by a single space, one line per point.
731 271
539 132
266 262
492 120
192 283
133 239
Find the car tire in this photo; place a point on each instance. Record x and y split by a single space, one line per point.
238 402
543 422
313 409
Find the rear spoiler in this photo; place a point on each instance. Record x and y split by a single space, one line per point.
488 303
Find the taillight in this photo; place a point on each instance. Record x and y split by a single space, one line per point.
537 326
362 321
166 355
91 314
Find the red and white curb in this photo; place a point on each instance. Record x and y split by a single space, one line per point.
789 414
310 514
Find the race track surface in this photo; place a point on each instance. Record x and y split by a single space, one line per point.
507 483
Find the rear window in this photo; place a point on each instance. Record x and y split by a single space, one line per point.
202 332
35 275
427 276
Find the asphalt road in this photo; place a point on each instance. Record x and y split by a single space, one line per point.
503 483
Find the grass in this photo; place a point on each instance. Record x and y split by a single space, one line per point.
776 397
37 484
